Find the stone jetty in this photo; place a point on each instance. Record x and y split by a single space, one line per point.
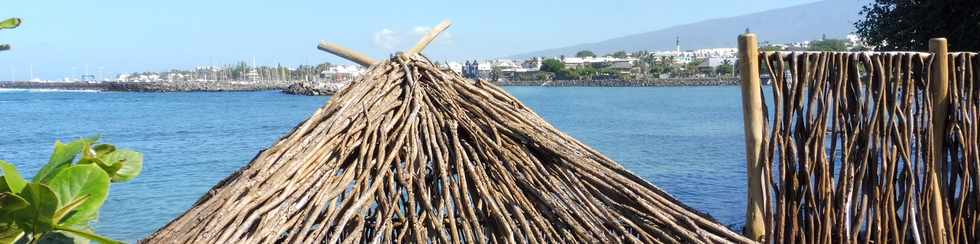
306 89
210 86
185 86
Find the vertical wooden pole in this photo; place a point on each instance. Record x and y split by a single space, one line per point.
748 57
940 101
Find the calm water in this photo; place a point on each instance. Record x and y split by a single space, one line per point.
687 140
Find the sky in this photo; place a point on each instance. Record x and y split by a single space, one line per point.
61 38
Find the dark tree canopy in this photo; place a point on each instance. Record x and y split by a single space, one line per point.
771 48
725 69
552 65
584 53
909 24
619 54
828 45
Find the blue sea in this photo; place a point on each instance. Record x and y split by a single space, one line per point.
686 140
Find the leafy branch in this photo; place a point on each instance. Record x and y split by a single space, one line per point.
8 24
66 194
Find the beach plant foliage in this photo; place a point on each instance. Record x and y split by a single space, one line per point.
8 24
64 197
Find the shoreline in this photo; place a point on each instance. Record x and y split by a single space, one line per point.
211 86
227 86
673 82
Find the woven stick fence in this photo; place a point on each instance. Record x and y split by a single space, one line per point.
868 147
411 153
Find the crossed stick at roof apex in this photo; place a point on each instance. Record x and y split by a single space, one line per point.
365 61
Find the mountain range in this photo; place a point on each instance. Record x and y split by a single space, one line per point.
830 18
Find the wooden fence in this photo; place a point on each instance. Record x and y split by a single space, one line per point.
860 147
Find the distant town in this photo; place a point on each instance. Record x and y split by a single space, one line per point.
713 63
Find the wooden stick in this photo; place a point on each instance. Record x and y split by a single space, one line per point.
442 26
346 53
748 51
940 100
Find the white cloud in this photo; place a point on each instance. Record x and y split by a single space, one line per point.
394 41
387 39
445 37
421 30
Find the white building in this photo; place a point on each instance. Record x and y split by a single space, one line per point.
714 52
711 64
342 73
455 67
533 64
575 62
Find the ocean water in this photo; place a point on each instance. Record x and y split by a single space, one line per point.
686 140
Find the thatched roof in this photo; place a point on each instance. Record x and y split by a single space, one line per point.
411 153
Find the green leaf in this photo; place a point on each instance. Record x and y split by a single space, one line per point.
11 177
10 202
68 208
62 157
81 181
103 149
124 164
87 234
36 218
63 237
10 23
9 233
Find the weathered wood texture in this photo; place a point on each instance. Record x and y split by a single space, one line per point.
346 53
429 37
848 148
940 97
409 153
753 120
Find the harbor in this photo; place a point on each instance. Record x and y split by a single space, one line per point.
818 121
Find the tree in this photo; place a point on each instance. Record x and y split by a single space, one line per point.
663 65
692 67
860 48
641 54
908 24
769 48
828 45
619 54
552 65
725 68
584 53
238 70
323 67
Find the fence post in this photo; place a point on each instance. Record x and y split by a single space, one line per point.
940 101
748 57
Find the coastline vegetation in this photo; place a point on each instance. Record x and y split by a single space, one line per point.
648 65
240 71
59 202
